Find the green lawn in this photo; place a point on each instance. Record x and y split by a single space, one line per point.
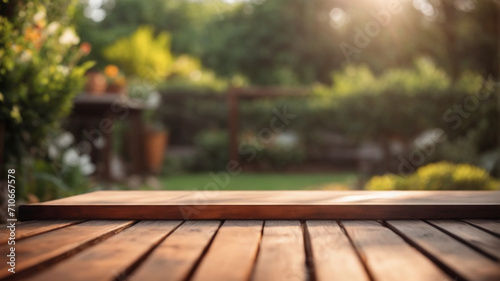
247 181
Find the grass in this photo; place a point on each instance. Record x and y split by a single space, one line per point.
247 181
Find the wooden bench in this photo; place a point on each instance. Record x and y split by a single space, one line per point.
259 235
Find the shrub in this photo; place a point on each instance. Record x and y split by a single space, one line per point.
39 71
282 149
142 54
437 176
212 150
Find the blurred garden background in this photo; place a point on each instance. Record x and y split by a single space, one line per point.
255 94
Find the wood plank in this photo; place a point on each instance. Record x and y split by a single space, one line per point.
46 248
112 258
313 197
263 205
32 228
333 256
282 253
233 252
451 254
491 226
387 256
176 256
475 237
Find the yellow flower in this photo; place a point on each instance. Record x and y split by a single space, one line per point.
111 71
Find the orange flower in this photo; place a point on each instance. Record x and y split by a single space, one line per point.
34 36
120 81
85 48
111 71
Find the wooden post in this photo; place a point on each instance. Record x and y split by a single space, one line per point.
498 71
107 151
137 148
232 120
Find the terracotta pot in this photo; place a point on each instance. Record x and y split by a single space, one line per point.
96 83
117 89
155 144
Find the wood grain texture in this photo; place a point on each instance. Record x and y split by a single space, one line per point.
46 248
233 252
261 205
32 228
281 254
333 256
387 256
475 237
176 256
112 258
310 197
457 257
492 226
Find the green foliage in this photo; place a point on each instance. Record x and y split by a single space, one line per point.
39 71
48 181
285 42
437 176
186 21
142 54
276 151
212 152
397 104
402 103
297 41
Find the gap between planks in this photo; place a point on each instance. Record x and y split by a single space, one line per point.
459 260
49 248
32 228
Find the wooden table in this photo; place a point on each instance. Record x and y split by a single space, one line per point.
222 242
98 115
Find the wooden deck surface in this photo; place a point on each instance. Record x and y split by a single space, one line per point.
265 205
277 236
295 250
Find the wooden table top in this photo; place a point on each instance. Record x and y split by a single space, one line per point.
265 205
316 250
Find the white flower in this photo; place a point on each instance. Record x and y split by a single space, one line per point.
99 143
52 28
286 139
63 69
153 100
71 158
39 16
26 56
69 37
53 151
65 140
86 167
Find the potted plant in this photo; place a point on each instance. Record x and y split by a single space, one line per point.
147 68
156 142
115 80
155 134
96 83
